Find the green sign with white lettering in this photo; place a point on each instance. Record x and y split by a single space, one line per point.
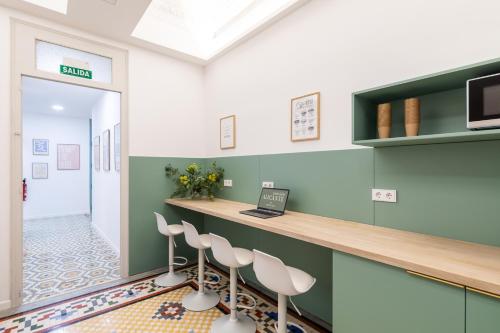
73 71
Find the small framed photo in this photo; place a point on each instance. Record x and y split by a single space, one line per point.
105 150
68 157
305 117
39 170
117 147
97 153
227 132
40 147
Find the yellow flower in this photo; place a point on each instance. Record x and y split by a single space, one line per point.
212 177
184 179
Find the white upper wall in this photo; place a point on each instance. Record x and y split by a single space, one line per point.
338 47
65 192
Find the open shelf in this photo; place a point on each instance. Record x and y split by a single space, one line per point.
468 136
442 105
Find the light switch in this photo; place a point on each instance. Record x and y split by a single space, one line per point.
228 183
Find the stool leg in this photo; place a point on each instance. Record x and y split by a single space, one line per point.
282 303
171 278
201 271
233 285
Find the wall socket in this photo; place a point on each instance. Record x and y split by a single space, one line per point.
228 183
268 184
384 195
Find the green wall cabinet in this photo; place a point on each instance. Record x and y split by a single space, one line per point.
483 313
376 298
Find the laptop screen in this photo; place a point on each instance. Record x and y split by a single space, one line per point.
273 199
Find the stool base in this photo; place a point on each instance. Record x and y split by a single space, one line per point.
197 302
170 279
242 324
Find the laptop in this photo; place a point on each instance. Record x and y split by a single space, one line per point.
272 203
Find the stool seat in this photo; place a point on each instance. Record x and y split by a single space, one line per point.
300 279
244 257
175 229
205 241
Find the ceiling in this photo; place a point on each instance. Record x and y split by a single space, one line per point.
39 96
192 30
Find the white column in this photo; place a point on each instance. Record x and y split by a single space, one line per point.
201 271
171 254
282 303
233 284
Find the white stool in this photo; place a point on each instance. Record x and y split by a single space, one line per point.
233 258
285 280
202 299
171 278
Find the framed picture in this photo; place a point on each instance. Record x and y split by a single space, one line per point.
39 170
227 132
305 117
40 147
117 148
97 153
105 150
68 157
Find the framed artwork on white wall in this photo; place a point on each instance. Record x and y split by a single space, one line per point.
40 147
228 132
68 157
97 153
105 150
40 171
117 147
305 117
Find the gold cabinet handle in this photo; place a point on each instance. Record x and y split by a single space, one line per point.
483 292
428 277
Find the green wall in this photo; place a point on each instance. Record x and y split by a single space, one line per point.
450 190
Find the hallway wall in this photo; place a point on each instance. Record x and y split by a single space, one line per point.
65 192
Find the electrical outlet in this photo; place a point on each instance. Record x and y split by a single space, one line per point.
384 195
228 183
268 184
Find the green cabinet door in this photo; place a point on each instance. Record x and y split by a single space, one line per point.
483 313
376 298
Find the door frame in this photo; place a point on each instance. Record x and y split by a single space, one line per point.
23 63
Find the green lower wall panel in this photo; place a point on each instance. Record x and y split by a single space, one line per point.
311 258
449 190
483 313
149 187
376 298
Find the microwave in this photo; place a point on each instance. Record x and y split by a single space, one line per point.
483 102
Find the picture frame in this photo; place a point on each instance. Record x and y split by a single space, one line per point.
68 157
97 153
40 170
117 146
305 120
228 132
106 150
40 147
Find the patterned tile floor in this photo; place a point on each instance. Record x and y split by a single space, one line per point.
142 306
64 254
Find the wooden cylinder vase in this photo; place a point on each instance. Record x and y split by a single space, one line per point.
412 116
384 120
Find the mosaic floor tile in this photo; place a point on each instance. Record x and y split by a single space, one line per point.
64 254
145 307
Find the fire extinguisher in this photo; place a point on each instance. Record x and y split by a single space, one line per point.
25 190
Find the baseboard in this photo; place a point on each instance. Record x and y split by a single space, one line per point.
4 305
106 238
27 218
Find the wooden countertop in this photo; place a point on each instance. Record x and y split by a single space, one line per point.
468 264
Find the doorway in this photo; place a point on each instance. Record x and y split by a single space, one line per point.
71 175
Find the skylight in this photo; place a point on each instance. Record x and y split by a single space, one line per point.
202 28
60 6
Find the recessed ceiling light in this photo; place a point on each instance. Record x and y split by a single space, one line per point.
60 6
57 107
204 28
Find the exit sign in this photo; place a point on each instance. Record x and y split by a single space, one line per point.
73 71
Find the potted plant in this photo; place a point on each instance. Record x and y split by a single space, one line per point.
195 182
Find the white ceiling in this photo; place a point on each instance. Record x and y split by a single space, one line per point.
118 20
38 96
